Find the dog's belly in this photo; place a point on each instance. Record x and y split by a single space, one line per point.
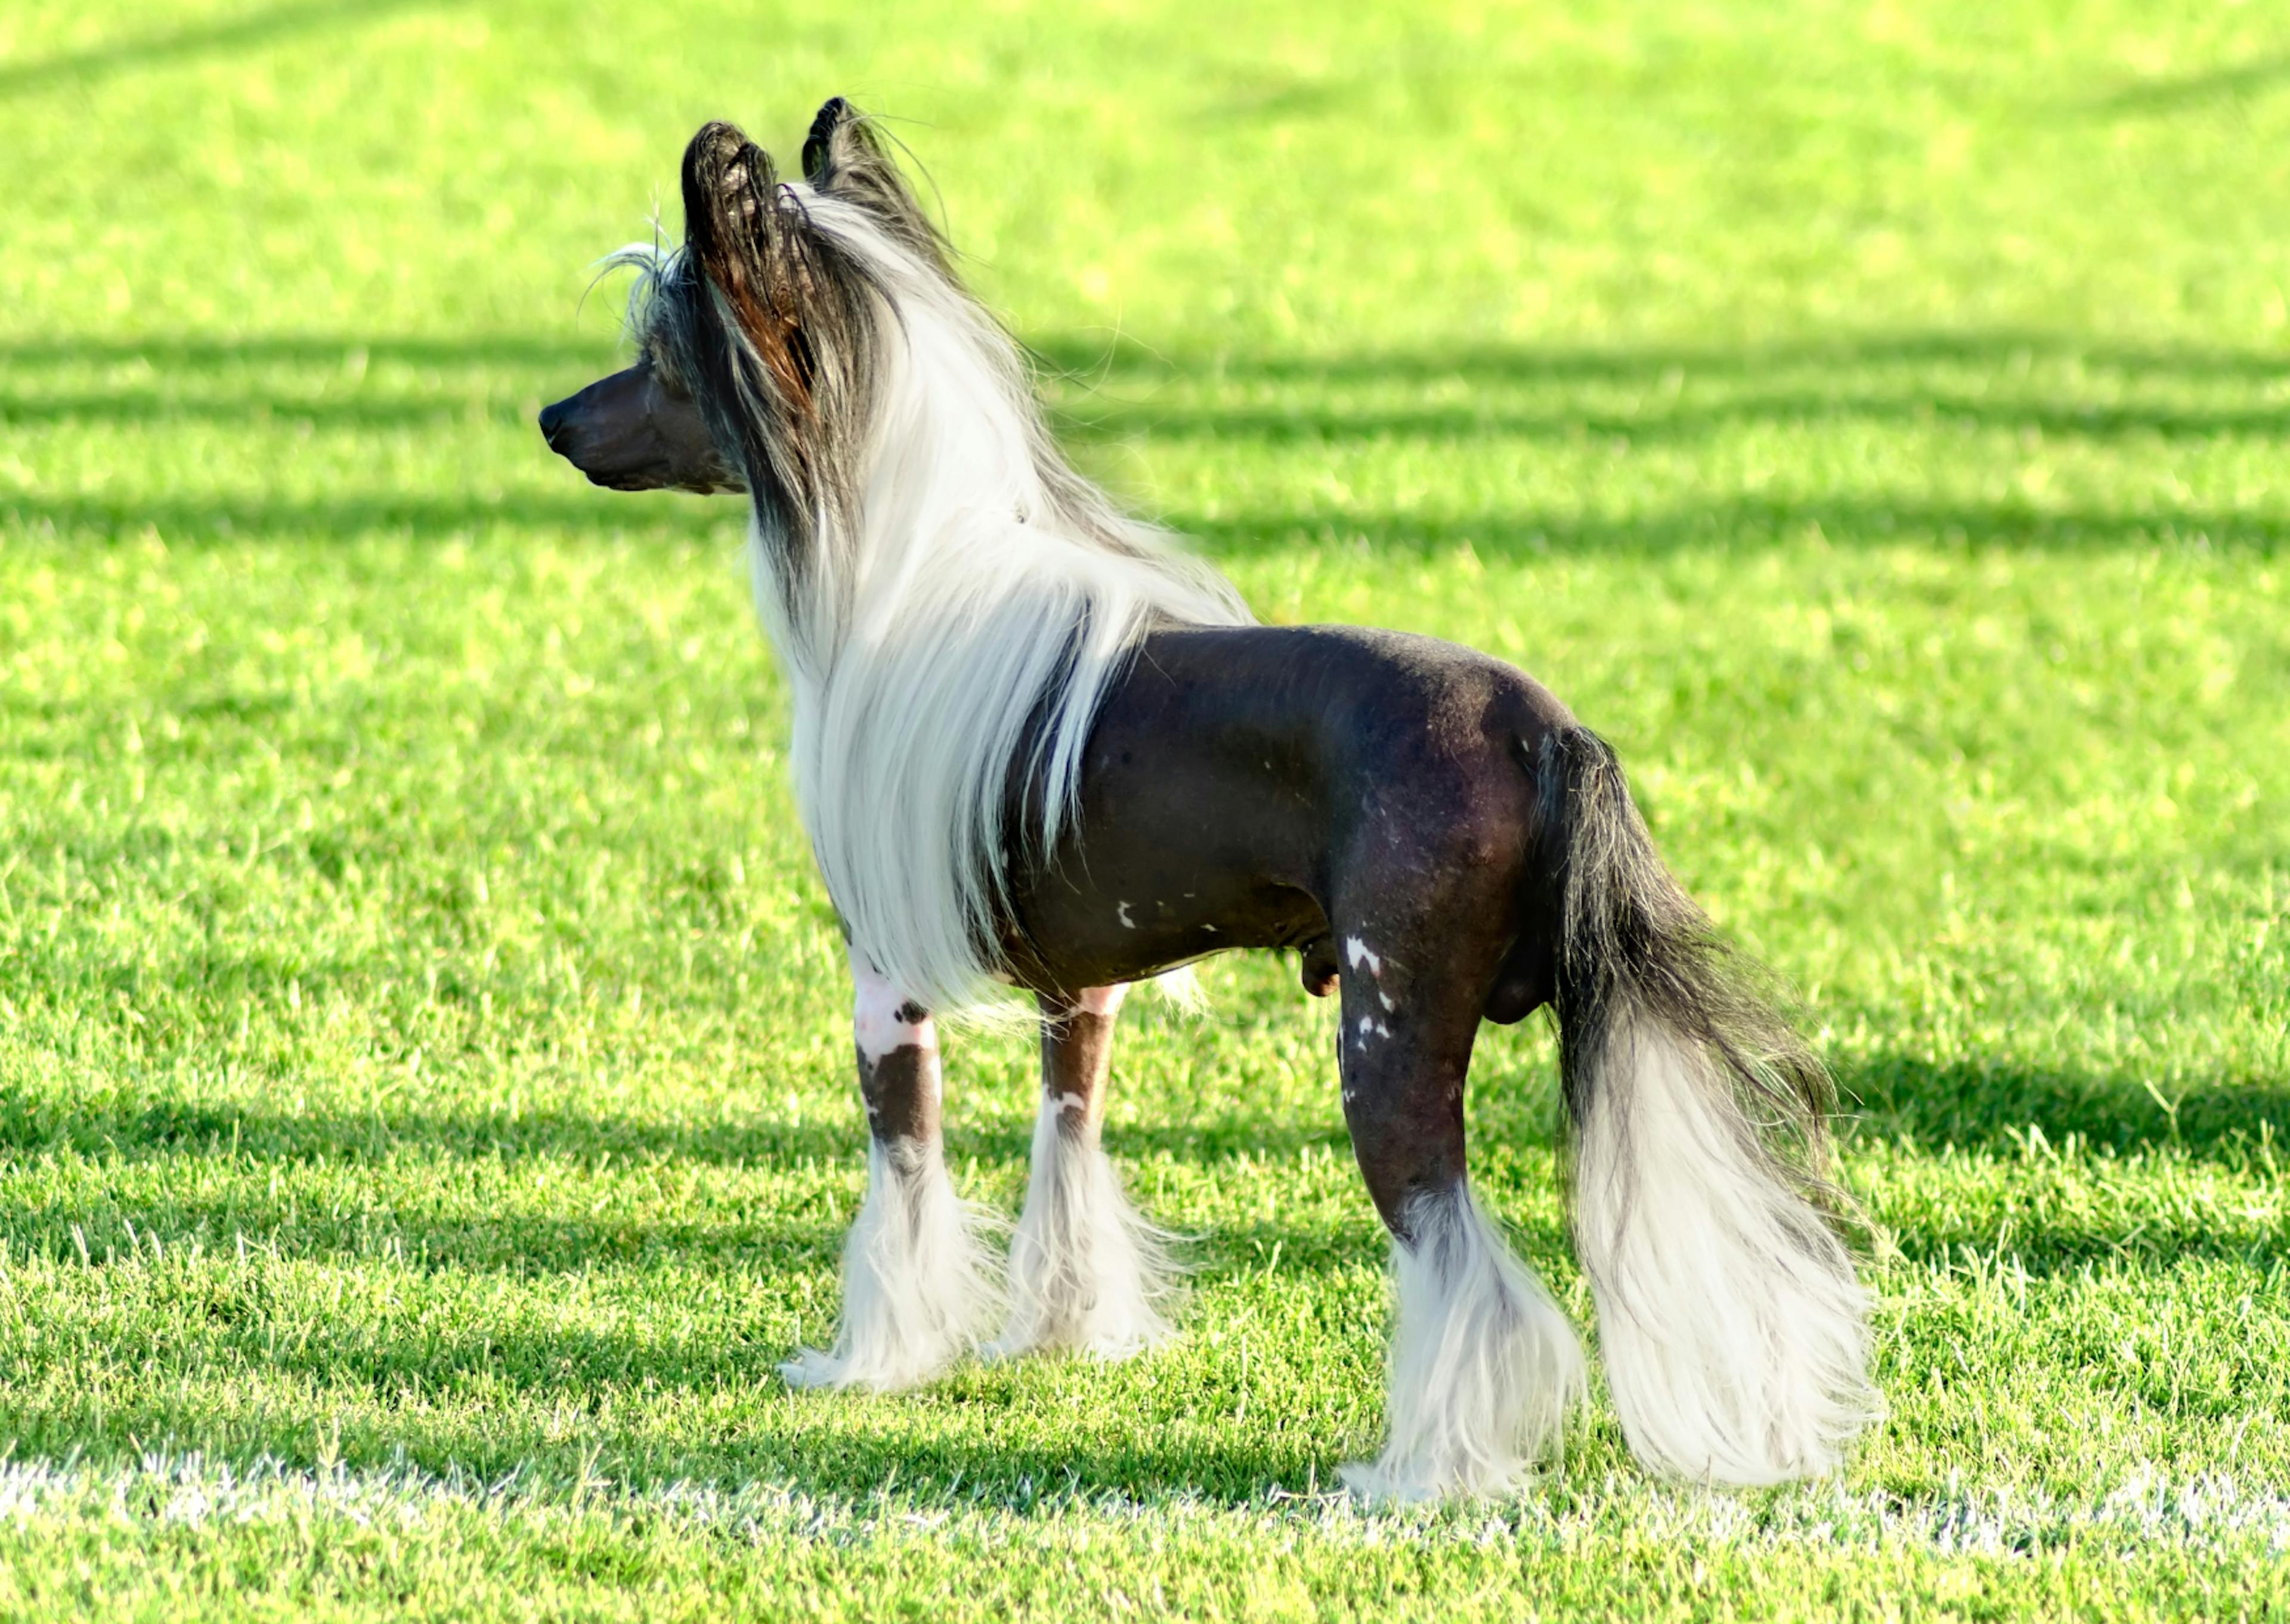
1196 835
1228 782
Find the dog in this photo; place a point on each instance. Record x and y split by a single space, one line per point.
1038 742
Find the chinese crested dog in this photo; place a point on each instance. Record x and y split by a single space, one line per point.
1038 742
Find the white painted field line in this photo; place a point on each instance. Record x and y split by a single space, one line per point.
2144 1510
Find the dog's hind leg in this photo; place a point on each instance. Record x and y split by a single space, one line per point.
917 1284
1086 1271
1482 1365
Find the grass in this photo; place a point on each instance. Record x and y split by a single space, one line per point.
424 1109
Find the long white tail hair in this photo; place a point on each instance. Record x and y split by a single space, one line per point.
1733 1330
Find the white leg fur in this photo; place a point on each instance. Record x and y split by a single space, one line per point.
917 1288
1484 1366
1087 1272
1733 1328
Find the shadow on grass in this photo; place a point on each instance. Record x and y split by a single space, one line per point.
1085 357
2187 92
1311 426
226 1216
1842 522
354 411
195 357
1986 1108
319 379
1088 359
1986 1105
194 378
464 1383
226 381
228 36
418 513
142 1131
832 1447
1640 394
1743 522
457 1381
1108 419
1991 1107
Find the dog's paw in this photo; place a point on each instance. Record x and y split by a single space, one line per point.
816 1367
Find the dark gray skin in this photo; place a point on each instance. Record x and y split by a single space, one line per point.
1301 787
1076 1060
902 1105
632 431
1309 788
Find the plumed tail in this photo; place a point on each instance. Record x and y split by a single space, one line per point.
1733 1329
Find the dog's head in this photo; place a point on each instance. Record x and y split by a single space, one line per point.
755 338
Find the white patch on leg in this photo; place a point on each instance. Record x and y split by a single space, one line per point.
879 1014
917 1285
1087 1272
1484 1366
1734 1330
1358 953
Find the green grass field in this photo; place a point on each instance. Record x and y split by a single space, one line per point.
425 1116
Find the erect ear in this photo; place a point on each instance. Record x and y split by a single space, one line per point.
748 241
846 157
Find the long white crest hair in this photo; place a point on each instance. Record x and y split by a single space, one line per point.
950 599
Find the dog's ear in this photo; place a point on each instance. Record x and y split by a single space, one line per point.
845 157
748 239
731 203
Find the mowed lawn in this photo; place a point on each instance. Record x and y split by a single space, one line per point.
425 1102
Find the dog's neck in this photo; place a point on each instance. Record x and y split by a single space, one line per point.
957 625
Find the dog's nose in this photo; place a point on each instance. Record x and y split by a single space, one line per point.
553 420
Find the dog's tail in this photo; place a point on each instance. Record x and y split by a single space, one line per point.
1732 1324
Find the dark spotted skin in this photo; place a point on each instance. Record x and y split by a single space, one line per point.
1310 787
901 1092
1077 1060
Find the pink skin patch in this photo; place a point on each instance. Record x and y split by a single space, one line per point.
880 1017
1100 1000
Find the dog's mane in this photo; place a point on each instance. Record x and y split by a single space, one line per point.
952 601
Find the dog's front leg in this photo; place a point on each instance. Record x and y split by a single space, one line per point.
916 1284
1086 1271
